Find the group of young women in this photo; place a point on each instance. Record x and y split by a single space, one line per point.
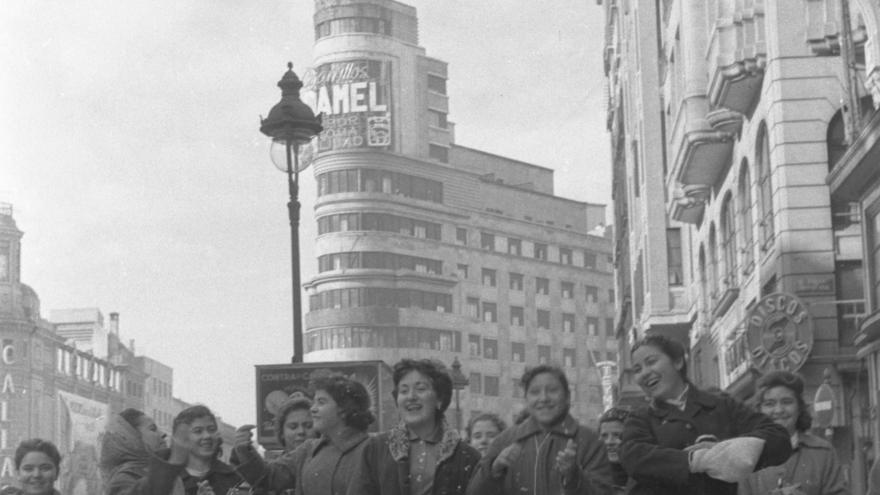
685 441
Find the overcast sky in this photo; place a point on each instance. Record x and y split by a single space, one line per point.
131 153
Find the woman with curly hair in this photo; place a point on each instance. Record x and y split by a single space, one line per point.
340 414
422 454
482 429
813 469
293 424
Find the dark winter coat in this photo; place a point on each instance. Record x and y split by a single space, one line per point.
813 466
654 438
383 468
534 471
317 467
220 476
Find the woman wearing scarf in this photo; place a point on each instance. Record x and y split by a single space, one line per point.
422 455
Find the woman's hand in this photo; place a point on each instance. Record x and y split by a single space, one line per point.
181 444
566 462
507 457
243 437
204 488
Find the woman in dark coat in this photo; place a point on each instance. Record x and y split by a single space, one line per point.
547 454
422 454
688 441
341 414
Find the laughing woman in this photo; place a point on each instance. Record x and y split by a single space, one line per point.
688 441
549 452
422 455
813 469
37 464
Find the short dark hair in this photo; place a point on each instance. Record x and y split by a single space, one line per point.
37 445
192 413
793 382
486 416
436 373
351 398
132 416
614 414
672 348
556 371
287 407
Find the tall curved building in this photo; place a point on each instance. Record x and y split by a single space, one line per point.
429 249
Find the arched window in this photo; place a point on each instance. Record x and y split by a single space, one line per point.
728 240
765 188
714 272
744 193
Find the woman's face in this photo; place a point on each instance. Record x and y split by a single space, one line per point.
325 413
37 473
153 438
482 433
546 399
657 374
417 401
781 405
204 437
611 432
297 428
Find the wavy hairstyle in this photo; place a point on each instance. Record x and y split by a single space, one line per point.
486 416
351 398
791 381
672 348
290 405
37 445
436 372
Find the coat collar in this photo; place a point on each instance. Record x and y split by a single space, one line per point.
398 442
568 428
346 440
697 400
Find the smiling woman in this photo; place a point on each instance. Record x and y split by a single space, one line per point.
688 441
422 454
37 463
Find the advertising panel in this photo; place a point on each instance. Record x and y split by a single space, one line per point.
81 421
277 382
779 333
355 99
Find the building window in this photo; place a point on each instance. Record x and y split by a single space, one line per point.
673 256
518 352
476 383
490 386
489 279
437 119
542 286
380 260
347 222
745 217
568 358
380 181
439 153
568 322
543 354
516 316
514 246
713 263
516 281
543 319
381 297
490 312
490 348
474 346
487 241
565 256
609 327
611 295
541 251
592 294
461 236
437 84
592 325
567 289
765 187
728 241
473 307
873 252
462 271
589 260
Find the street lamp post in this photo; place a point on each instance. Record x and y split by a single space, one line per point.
291 123
459 382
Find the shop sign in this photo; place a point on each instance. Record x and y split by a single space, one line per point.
7 357
779 333
354 98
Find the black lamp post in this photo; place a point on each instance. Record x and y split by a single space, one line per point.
291 123
459 382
